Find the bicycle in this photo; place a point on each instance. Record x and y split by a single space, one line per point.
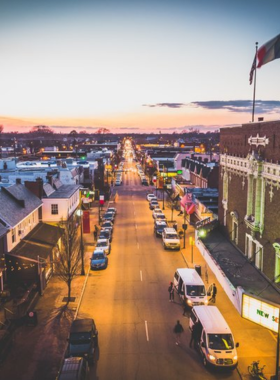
255 371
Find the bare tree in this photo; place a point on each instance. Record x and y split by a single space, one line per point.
69 256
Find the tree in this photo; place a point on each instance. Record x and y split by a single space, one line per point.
102 131
69 256
42 130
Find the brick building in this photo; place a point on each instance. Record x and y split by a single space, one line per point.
249 182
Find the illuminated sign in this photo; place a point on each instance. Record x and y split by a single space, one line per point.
260 312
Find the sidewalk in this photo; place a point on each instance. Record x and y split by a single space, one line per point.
256 343
34 360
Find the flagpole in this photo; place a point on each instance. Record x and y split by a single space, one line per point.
255 79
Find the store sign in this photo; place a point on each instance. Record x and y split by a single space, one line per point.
260 312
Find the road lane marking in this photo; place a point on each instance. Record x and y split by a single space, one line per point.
141 275
147 333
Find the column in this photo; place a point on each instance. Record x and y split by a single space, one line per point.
250 195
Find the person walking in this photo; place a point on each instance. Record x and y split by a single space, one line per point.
95 232
213 293
195 334
171 292
185 309
178 329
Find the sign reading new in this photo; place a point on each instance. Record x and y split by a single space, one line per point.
260 312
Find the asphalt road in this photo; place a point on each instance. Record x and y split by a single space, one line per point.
130 302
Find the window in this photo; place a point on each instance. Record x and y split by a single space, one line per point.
13 235
54 209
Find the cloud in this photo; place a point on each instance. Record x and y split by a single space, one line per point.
71 127
167 105
129 128
239 106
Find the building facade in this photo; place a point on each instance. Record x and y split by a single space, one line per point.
249 202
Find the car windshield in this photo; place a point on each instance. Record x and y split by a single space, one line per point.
161 228
98 256
196 290
220 341
105 234
160 216
171 236
80 338
101 244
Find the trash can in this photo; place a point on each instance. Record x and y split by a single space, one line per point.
175 226
198 269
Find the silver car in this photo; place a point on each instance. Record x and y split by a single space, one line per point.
105 245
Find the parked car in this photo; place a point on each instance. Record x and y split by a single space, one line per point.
153 204
112 209
109 216
99 260
159 227
105 234
159 216
150 197
83 339
170 239
108 225
104 244
74 368
156 210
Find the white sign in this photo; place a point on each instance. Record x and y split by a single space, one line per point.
260 312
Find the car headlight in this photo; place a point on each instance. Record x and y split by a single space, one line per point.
206 302
211 357
235 357
189 302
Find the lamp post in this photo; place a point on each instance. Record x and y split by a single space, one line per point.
185 226
81 240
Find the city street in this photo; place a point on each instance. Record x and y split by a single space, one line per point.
130 302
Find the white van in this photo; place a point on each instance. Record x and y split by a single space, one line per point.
190 287
170 239
216 344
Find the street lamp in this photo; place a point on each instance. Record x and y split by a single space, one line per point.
80 213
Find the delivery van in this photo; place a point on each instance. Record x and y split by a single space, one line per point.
190 287
216 343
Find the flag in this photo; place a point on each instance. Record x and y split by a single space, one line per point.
269 51
253 69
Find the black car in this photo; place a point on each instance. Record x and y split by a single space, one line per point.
153 204
109 216
83 339
159 227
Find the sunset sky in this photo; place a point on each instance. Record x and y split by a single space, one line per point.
135 66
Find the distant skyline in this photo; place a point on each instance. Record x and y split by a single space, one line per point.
135 66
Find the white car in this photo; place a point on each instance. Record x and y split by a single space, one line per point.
105 245
156 210
150 197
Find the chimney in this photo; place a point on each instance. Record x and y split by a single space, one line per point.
36 187
18 181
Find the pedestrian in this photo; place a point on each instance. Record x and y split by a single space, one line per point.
195 334
213 293
178 329
171 292
95 232
186 309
